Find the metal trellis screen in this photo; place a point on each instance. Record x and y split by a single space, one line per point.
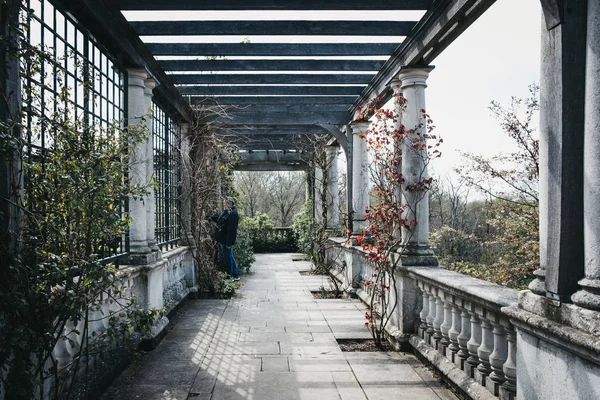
167 169
72 76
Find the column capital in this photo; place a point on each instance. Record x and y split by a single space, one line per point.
149 85
414 76
396 85
136 77
359 127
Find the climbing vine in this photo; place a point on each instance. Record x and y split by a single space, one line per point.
69 202
392 218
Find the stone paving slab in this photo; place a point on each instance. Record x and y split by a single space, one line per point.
273 341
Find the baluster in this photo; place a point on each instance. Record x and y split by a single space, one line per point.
485 349
72 338
95 326
446 325
61 354
510 366
424 312
439 319
454 332
473 343
463 338
431 315
498 356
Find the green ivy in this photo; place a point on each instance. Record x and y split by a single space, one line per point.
304 228
71 213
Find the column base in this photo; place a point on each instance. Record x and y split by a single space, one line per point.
136 258
333 231
589 295
538 285
419 256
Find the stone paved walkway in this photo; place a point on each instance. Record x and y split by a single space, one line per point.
273 340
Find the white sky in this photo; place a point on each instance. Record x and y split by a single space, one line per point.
496 58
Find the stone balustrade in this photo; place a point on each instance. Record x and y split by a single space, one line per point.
462 319
453 321
161 286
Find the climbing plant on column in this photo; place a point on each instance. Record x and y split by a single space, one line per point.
392 217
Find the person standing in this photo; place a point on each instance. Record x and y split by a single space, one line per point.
227 225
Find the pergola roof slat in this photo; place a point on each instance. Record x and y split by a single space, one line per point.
271 90
272 49
275 100
272 130
271 65
285 118
257 79
279 28
272 5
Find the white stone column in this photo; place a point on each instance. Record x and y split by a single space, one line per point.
589 295
360 175
333 198
318 200
415 238
150 200
187 239
396 87
137 112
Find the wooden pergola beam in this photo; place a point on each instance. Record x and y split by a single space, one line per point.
271 90
272 100
270 79
271 5
272 49
271 65
278 27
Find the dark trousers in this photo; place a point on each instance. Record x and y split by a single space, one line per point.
229 260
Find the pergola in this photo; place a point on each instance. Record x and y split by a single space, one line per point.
289 87
302 81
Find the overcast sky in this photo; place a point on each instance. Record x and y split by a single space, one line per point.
496 58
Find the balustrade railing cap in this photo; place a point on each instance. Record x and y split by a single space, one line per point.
469 288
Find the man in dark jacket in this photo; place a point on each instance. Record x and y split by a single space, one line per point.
227 224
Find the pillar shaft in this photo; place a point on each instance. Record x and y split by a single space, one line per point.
589 296
333 198
187 239
415 236
150 199
318 199
360 175
562 91
137 109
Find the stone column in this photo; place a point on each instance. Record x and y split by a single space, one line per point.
415 238
562 94
360 175
333 198
187 239
137 113
318 200
11 169
396 87
150 200
589 295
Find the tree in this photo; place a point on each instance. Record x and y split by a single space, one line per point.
510 182
250 186
286 192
